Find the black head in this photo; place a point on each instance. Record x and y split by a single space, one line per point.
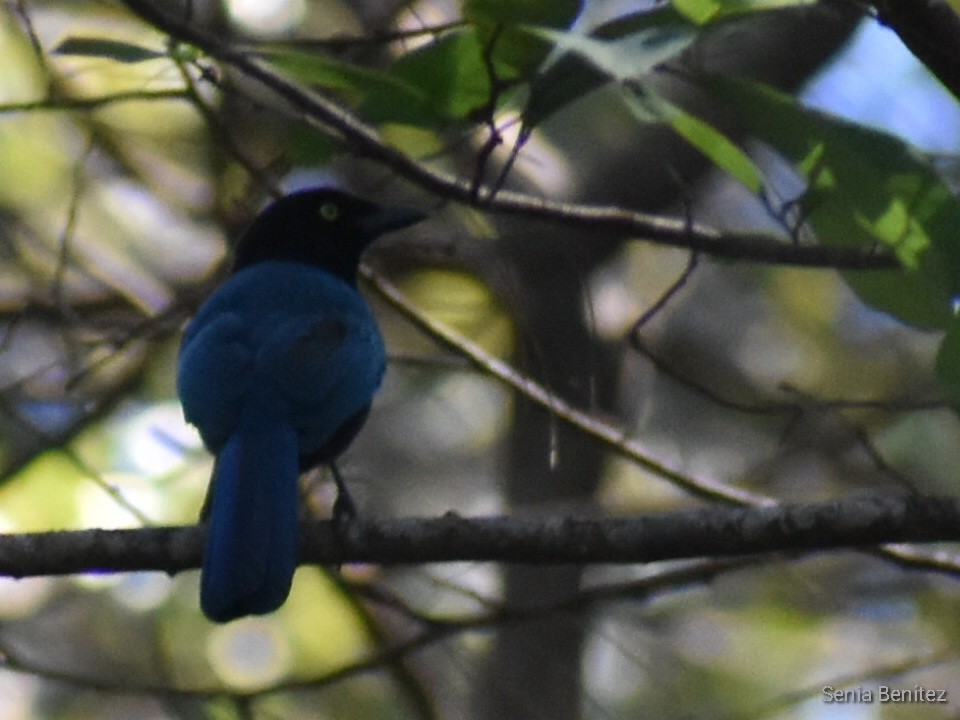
321 227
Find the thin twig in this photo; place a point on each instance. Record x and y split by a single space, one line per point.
52 104
220 131
613 437
675 287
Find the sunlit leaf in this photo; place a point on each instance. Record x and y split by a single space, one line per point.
580 63
716 146
123 52
700 11
704 11
625 57
865 188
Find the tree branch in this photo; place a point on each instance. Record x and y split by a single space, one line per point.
714 531
363 139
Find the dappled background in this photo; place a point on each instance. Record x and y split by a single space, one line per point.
128 170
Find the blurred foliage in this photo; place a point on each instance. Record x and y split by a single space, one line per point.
130 162
865 187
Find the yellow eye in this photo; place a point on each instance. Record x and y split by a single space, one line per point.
329 211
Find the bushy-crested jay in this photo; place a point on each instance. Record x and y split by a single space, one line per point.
278 370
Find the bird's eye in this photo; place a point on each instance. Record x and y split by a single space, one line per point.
329 211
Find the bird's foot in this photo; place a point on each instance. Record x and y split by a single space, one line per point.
344 509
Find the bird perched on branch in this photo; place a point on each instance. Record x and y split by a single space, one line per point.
278 370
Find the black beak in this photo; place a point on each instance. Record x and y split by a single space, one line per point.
385 220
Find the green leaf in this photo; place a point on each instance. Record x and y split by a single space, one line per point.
948 361
580 64
442 82
117 50
865 188
705 11
385 98
515 55
449 76
625 57
550 13
699 11
716 146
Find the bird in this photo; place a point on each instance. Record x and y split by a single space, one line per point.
277 370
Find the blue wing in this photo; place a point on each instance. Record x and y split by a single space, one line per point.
325 368
215 374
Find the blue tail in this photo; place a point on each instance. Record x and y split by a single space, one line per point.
252 533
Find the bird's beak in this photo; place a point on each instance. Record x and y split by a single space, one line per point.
389 219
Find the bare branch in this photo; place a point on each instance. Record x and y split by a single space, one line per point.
363 139
615 438
714 531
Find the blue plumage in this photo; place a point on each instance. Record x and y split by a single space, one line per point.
277 371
